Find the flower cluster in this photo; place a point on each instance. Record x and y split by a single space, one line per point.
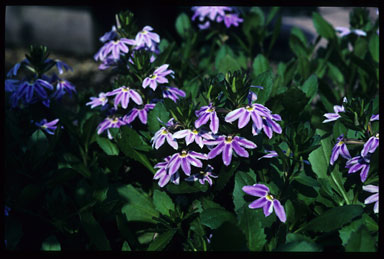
133 97
37 87
218 14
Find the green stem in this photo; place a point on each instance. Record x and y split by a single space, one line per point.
341 189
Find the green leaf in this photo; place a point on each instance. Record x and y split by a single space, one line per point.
139 206
107 146
51 244
319 158
163 203
346 231
335 74
161 241
228 237
136 155
214 217
260 65
133 139
322 27
225 175
158 112
310 87
334 218
265 80
126 247
183 25
251 226
95 232
298 43
374 47
361 241
299 243
227 64
242 179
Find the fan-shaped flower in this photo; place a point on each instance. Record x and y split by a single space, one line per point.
185 159
142 113
158 77
339 149
206 113
374 198
123 94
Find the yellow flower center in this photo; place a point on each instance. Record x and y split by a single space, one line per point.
125 89
143 32
44 126
377 135
249 108
164 132
211 109
153 76
114 120
270 197
115 41
194 131
228 139
183 153
340 143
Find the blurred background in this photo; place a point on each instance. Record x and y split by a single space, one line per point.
71 33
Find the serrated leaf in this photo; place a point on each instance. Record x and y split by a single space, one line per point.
107 146
323 27
161 240
334 218
163 203
139 207
251 226
214 217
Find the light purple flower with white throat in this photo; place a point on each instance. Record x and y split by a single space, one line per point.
358 163
147 38
334 116
374 117
110 122
205 114
374 198
203 176
371 145
158 77
97 101
160 136
225 144
141 112
266 201
339 149
184 160
62 87
344 31
244 114
209 11
123 95
190 136
163 173
173 93
230 19
48 127
113 49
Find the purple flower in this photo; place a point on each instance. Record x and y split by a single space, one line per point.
266 201
271 153
96 101
204 25
206 113
244 114
62 86
173 93
339 149
191 135
158 76
334 116
374 117
374 198
123 94
209 11
163 175
359 163
26 90
344 31
203 176
230 19
112 34
114 47
147 38
185 159
61 66
48 127
13 71
110 122
142 113
160 136
225 144
11 85
370 146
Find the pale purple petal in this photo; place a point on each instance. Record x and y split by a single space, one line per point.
257 190
372 198
185 166
216 151
214 125
259 203
234 115
172 142
268 208
136 97
243 120
371 188
279 210
239 150
227 154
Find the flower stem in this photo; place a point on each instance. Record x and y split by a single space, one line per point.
341 189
